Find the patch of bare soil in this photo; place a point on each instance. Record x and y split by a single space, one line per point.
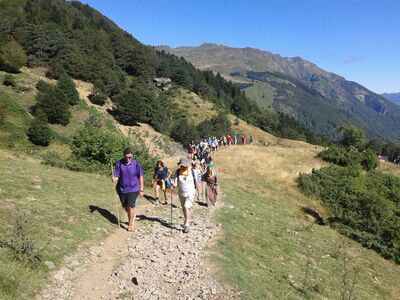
156 261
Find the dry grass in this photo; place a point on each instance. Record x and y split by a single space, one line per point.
389 168
196 109
269 245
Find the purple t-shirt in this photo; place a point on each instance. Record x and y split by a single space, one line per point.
128 176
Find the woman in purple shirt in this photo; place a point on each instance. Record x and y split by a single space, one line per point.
129 175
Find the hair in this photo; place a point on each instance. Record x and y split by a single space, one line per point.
159 162
128 150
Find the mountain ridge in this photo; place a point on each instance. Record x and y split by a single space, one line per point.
392 97
353 103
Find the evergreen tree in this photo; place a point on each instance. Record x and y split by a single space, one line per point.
51 99
67 85
39 132
352 136
137 104
184 133
12 56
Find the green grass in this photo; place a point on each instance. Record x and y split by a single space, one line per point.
17 120
262 93
57 202
271 250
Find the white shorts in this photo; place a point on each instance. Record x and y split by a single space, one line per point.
187 201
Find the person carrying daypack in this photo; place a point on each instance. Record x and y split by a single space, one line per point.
210 178
161 176
185 180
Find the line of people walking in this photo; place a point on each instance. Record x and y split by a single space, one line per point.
195 178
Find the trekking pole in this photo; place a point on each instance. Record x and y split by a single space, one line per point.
171 210
202 188
116 200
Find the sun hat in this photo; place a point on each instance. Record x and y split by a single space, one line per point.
183 162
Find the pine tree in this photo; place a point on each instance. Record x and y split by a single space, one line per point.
52 100
39 132
12 57
67 85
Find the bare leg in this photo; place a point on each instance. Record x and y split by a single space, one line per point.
157 191
186 215
131 217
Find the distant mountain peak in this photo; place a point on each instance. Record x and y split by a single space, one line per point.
321 99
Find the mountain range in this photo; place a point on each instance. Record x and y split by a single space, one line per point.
322 100
393 97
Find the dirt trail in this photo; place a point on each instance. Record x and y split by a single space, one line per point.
156 261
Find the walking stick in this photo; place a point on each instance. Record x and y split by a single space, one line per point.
171 210
116 200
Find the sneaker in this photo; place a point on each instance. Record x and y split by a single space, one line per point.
185 228
157 202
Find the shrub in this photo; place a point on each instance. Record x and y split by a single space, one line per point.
93 149
184 133
39 132
216 126
352 136
67 85
369 160
97 98
53 102
92 144
9 81
350 156
12 56
363 206
21 244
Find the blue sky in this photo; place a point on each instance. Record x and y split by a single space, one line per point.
358 39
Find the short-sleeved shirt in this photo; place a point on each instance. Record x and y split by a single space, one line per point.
129 175
186 183
161 174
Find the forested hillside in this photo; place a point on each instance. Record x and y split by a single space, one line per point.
73 38
321 100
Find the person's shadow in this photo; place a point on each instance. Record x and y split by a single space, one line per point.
149 198
201 203
105 213
156 219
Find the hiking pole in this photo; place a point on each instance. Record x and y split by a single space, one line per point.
116 200
171 210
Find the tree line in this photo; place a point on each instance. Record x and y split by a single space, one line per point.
72 38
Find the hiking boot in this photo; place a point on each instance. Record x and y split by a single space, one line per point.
185 228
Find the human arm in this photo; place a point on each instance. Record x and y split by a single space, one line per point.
115 175
169 173
141 183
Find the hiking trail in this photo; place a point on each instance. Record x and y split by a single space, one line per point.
153 262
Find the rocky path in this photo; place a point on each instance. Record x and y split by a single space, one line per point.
156 261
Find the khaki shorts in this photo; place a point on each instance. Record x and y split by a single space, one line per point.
187 201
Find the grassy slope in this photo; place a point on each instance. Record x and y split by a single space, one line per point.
57 202
261 254
262 93
389 168
266 254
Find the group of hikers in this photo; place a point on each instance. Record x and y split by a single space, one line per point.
194 177
213 144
